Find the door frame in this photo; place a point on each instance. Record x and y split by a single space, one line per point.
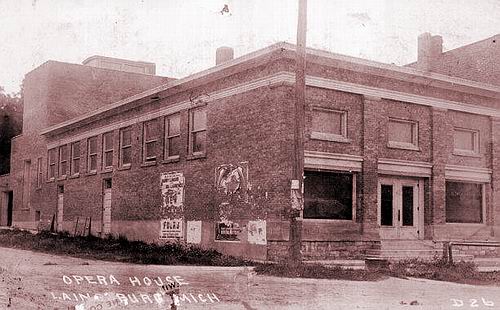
397 230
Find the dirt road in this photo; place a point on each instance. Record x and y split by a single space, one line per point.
32 280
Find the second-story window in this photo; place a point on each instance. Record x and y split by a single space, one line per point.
75 158
63 160
150 140
92 154
172 136
197 131
466 141
52 164
328 124
125 147
402 134
107 150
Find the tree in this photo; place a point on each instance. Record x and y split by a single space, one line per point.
11 118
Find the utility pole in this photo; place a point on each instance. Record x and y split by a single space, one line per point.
297 186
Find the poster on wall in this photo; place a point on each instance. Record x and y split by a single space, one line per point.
231 179
171 229
193 232
227 231
172 193
257 232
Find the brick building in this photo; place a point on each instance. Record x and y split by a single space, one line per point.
391 154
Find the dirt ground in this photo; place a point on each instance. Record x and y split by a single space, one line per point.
32 280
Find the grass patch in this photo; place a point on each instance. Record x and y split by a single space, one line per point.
117 249
317 271
439 269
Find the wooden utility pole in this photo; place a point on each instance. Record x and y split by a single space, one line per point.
297 191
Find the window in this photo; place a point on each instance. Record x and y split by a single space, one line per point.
92 154
328 195
150 140
329 125
52 164
75 158
63 160
464 202
172 136
39 172
466 141
402 134
107 150
125 147
197 131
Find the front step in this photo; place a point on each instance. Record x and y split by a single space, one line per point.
357 264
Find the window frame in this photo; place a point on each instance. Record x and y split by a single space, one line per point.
75 157
39 172
150 159
192 131
354 203
318 135
476 142
123 147
52 165
90 155
483 203
414 134
63 160
106 151
168 136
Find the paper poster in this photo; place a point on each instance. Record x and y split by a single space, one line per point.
257 232
172 193
193 232
227 231
171 229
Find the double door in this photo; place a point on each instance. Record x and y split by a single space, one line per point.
400 208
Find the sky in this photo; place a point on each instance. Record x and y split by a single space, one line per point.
181 36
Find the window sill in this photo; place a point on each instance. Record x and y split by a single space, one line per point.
467 224
403 146
311 220
329 137
125 167
91 173
196 156
74 176
172 159
108 170
62 178
466 154
50 180
148 163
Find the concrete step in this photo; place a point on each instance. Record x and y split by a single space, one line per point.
357 264
405 252
410 244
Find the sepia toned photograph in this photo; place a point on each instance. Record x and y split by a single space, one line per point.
249 154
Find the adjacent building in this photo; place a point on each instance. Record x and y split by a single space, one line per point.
405 155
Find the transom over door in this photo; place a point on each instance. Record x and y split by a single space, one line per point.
400 208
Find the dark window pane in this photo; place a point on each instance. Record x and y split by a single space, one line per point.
93 162
76 149
386 205
327 195
64 167
151 130
108 141
126 156
126 137
173 146
76 166
199 140
150 151
93 145
464 202
199 119
407 205
63 153
52 171
174 125
108 159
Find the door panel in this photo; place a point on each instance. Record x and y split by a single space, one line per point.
399 208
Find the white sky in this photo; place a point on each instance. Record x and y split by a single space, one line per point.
181 36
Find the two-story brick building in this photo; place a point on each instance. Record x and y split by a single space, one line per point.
390 153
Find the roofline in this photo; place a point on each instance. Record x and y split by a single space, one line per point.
86 60
267 50
471 44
